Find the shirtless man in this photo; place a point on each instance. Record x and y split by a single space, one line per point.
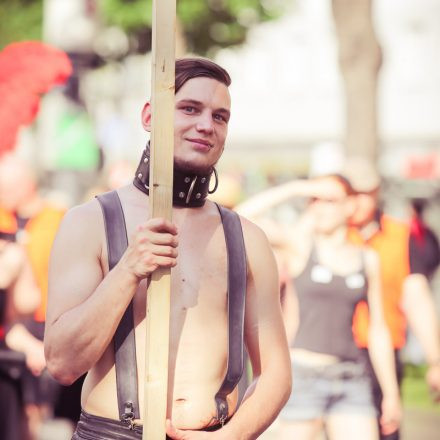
86 301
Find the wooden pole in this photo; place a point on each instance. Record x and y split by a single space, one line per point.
161 184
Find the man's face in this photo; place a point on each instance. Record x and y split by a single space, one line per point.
201 118
202 115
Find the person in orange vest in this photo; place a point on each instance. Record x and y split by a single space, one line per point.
32 223
407 298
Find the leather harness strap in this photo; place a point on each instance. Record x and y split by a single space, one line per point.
237 277
125 349
124 342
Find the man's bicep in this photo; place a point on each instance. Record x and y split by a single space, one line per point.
264 329
74 268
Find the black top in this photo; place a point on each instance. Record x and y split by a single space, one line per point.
326 307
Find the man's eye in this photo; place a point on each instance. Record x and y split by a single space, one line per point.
220 118
189 109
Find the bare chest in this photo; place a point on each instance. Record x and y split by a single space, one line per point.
199 281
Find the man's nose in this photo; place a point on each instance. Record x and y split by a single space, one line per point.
205 123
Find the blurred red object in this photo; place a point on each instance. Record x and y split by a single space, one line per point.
27 70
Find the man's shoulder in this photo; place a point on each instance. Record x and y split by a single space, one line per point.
255 238
250 230
250 226
81 230
86 214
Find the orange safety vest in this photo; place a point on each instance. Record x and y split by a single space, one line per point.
40 233
391 243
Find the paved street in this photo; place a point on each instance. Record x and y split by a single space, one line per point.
418 425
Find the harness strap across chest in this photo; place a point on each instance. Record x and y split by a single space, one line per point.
124 339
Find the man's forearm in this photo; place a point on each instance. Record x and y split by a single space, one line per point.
77 339
261 404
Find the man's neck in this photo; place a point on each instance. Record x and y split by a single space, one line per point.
190 189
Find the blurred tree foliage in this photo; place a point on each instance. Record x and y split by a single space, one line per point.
206 24
20 20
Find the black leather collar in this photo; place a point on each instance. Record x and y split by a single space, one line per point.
190 190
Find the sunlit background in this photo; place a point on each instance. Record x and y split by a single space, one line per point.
288 94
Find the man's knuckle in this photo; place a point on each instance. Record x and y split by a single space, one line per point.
149 260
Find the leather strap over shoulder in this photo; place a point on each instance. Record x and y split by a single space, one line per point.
237 280
124 339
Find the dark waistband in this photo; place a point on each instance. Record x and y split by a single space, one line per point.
92 427
339 370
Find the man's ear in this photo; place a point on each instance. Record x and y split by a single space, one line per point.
146 117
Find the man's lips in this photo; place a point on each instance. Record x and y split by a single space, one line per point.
200 143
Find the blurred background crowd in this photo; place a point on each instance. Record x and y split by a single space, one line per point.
314 82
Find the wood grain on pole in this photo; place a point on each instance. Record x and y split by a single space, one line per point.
161 183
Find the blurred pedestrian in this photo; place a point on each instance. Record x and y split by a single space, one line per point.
19 298
32 223
405 289
330 277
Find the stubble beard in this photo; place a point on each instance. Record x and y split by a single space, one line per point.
189 167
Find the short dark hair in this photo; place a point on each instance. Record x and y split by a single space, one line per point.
189 68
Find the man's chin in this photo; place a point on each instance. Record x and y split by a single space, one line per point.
191 167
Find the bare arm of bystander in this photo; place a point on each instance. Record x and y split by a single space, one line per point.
380 349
